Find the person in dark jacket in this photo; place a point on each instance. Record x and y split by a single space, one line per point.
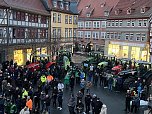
93 101
1 104
72 80
54 96
98 106
80 107
71 104
60 99
127 102
88 102
48 102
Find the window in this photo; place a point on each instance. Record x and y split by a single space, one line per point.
138 37
59 18
1 32
128 23
103 24
59 32
111 35
106 13
120 23
42 33
70 32
96 24
20 16
80 24
54 4
119 36
127 36
145 23
74 32
33 33
113 23
43 19
80 34
108 35
66 19
132 23
54 32
32 18
54 17
1 13
88 24
115 35
70 19
129 11
75 20
67 7
143 37
139 23
87 34
61 5
95 35
108 23
66 32
142 10
116 23
20 33
103 35
131 36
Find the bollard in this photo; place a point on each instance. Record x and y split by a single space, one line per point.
103 109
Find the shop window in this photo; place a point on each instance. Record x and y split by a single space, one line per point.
113 50
125 50
18 57
135 53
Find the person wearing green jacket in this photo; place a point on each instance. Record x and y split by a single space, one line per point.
43 79
13 109
25 93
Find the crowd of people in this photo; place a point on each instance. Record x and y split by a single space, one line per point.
26 91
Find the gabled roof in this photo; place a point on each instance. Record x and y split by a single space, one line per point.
99 7
34 6
135 7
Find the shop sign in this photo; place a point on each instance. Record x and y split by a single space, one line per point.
128 44
18 57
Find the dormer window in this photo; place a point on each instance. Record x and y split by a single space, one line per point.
103 4
61 5
129 11
55 4
106 13
67 7
142 10
88 15
87 6
117 12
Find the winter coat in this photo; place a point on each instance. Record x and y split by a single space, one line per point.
71 102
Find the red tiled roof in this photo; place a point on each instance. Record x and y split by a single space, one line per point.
34 6
96 5
136 5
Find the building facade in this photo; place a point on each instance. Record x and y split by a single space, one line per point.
64 18
127 30
24 27
92 23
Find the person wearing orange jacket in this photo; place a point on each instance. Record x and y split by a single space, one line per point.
29 103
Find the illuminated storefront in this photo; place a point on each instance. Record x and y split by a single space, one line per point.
113 50
29 52
44 50
19 57
125 50
135 51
